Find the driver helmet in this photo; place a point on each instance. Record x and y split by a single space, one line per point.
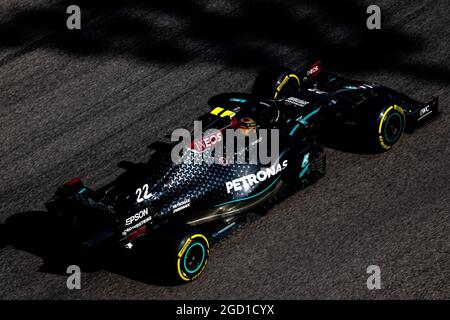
246 124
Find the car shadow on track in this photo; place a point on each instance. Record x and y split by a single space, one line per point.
32 232
244 34
344 139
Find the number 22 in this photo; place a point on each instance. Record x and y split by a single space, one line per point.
141 197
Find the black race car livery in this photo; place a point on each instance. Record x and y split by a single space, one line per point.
188 205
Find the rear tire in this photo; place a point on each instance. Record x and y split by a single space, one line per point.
276 82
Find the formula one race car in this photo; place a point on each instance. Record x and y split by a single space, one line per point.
185 206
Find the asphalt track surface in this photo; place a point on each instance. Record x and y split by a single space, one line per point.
76 103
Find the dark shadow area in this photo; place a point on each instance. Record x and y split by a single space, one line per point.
345 140
37 233
33 232
241 34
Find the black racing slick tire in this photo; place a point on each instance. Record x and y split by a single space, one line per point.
276 82
385 127
185 251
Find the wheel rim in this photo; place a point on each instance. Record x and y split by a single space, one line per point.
393 127
194 258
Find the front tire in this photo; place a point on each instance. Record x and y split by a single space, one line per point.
385 127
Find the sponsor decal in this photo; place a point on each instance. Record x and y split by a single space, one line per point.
181 205
424 112
200 148
312 70
200 145
245 182
136 217
296 102
138 225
